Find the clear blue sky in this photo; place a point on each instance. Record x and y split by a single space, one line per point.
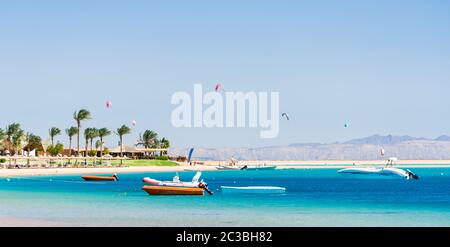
382 66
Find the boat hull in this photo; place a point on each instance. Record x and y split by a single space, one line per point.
252 190
98 178
169 190
260 168
229 168
374 173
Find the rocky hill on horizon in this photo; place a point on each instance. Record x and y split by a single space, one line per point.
368 148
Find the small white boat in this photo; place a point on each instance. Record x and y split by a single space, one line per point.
191 170
230 168
258 168
252 190
176 183
387 172
378 172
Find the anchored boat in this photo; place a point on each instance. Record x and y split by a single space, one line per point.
171 190
252 190
233 165
387 172
258 167
114 177
176 181
229 168
176 187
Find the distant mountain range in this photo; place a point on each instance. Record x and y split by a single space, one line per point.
368 148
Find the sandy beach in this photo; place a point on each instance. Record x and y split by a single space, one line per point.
69 171
211 165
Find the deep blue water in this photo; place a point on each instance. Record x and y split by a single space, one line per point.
314 197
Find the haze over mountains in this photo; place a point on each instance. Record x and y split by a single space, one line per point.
403 147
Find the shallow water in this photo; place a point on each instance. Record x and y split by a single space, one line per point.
314 197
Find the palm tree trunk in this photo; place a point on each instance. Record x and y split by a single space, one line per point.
86 152
70 146
78 139
101 147
101 150
28 154
78 142
121 145
121 151
86 148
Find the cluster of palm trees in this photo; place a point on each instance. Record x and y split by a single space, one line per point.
150 140
90 134
13 138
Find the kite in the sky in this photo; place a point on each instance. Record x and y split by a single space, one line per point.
285 115
218 87
134 122
108 104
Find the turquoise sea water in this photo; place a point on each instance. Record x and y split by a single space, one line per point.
314 197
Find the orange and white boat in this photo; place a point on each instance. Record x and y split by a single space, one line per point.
176 187
175 181
114 177
170 190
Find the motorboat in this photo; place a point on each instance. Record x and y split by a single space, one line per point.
233 166
387 172
175 187
230 168
175 181
114 177
258 167
252 190
172 190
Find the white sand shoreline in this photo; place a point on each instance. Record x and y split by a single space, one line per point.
210 166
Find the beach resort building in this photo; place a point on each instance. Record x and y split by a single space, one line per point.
128 151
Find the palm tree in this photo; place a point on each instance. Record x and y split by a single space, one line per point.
17 140
98 144
124 130
92 136
148 139
2 134
79 116
54 132
33 142
13 135
89 135
102 133
2 137
11 129
164 143
70 133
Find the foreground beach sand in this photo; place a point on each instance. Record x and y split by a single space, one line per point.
211 165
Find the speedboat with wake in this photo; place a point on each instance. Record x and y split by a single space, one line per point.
387 172
176 187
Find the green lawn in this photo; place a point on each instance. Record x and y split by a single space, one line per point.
146 163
